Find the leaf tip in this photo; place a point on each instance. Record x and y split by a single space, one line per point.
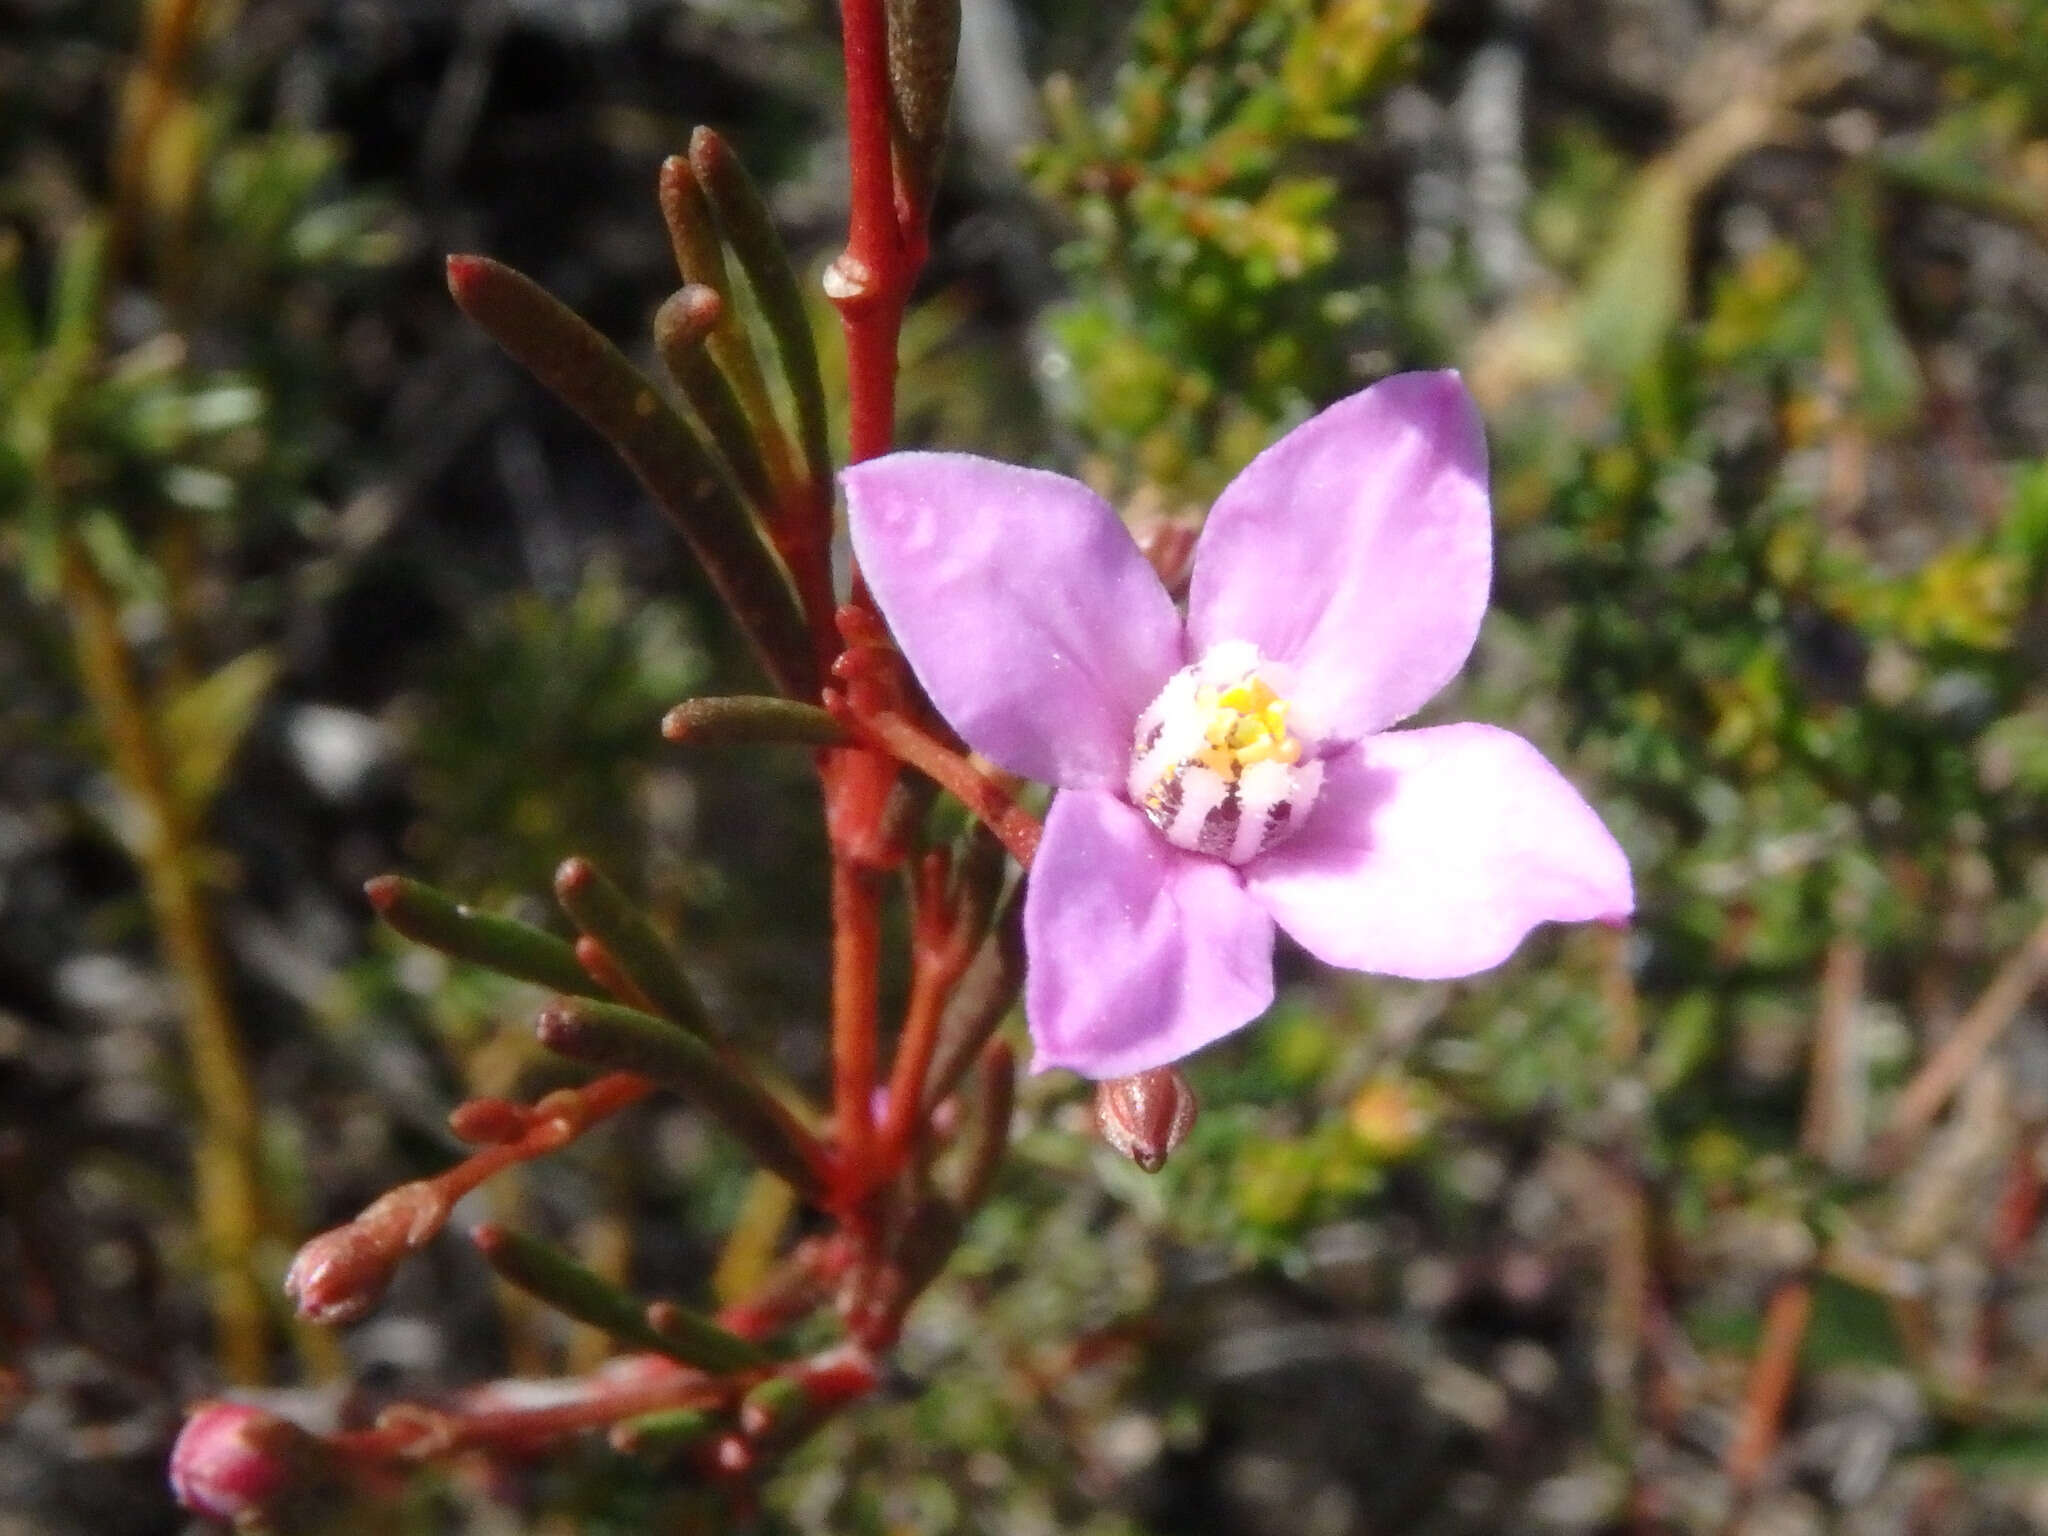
707 148
687 316
465 272
574 875
556 1025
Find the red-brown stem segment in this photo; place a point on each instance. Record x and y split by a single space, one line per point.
960 777
870 282
339 1275
799 1284
492 1417
941 946
856 946
1770 1382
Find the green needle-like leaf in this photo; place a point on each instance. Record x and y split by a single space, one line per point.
750 230
681 326
738 719
618 1039
567 1286
430 917
693 233
602 910
661 1437
594 379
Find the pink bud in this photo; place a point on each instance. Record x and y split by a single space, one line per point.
1145 1117
339 1275
234 1462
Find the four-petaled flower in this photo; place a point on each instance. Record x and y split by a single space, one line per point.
1232 770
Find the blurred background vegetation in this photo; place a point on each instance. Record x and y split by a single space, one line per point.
1728 1224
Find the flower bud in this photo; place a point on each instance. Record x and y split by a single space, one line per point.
339 1275
1146 1116
234 1462
924 50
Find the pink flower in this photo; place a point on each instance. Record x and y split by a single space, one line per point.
1232 770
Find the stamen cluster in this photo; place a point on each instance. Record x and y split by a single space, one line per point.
1214 764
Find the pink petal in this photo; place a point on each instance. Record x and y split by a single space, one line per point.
1023 605
1432 853
1137 952
1358 550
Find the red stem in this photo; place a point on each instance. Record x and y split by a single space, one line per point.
856 956
940 947
870 283
930 983
983 795
410 1432
871 280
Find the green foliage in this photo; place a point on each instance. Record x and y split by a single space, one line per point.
1742 589
1996 47
542 727
1210 297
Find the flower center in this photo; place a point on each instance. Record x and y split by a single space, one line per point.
1216 764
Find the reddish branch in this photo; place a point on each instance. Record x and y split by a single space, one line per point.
870 284
961 777
339 1275
941 944
856 961
885 244
1770 1383
876 703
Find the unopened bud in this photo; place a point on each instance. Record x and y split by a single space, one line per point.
339 1275
1168 544
924 50
234 1462
1146 1116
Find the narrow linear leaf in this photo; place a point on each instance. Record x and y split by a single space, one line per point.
75 299
203 725
745 718
681 326
694 236
750 230
555 1278
691 1333
594 379
620 1039
1887 373
661 1437
429 917
991 1138
601 909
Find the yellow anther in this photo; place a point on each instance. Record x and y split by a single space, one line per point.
1243 724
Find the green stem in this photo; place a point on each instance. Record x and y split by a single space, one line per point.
229 1187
